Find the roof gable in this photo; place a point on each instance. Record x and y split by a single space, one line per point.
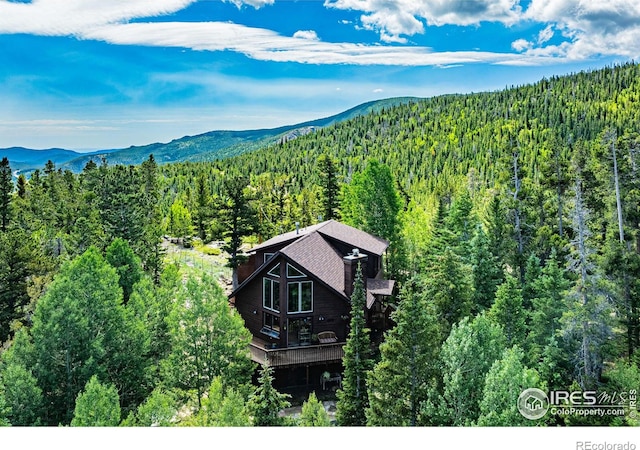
318 258
334 230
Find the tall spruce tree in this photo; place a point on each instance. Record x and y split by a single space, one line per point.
237 218
353 400
6 190
330 190
266 402
400 382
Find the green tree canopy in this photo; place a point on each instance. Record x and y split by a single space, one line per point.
97 406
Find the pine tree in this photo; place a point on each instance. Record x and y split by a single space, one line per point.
548 306
400 382
202 211
330 190
120 256
507 311
586 323
313 413
238 220
352 397
266 402
6 190
487 273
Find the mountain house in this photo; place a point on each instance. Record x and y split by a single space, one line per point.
294 296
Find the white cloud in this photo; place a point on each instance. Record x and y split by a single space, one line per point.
71 17
588 27
591 27
393 19
257 4
521 44
545 34
306 34
377 91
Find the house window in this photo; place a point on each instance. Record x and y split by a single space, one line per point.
267 256
275 272
300 297
270 325
292 272
271 294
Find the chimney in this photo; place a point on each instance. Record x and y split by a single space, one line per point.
350 268
297 227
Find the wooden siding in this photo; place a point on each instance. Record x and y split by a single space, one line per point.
332 309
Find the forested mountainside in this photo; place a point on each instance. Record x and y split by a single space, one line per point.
514 224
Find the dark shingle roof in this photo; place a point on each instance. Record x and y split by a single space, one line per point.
377 286
334 230
316 256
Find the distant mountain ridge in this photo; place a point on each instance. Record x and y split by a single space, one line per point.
208 146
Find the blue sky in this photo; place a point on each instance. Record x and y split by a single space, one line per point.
96 74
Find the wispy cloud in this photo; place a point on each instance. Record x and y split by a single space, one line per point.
587 27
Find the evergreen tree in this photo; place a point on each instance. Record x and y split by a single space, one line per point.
400 382
238 220
461 222
121 257
16 268
202 212
313 413
586 324
150 247
548 307
97 406
449 288
352 397
6 190
487 273
265 403
508 312
330 190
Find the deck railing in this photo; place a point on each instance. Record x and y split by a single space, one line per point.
293 356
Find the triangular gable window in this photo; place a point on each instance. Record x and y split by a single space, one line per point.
292 272
275 272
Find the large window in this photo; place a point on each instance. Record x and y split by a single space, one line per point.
271 294
270 325
300 295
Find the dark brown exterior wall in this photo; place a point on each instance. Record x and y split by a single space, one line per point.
326 304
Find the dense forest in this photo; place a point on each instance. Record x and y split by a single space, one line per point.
514 223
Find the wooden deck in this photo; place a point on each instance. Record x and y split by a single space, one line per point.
295 356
